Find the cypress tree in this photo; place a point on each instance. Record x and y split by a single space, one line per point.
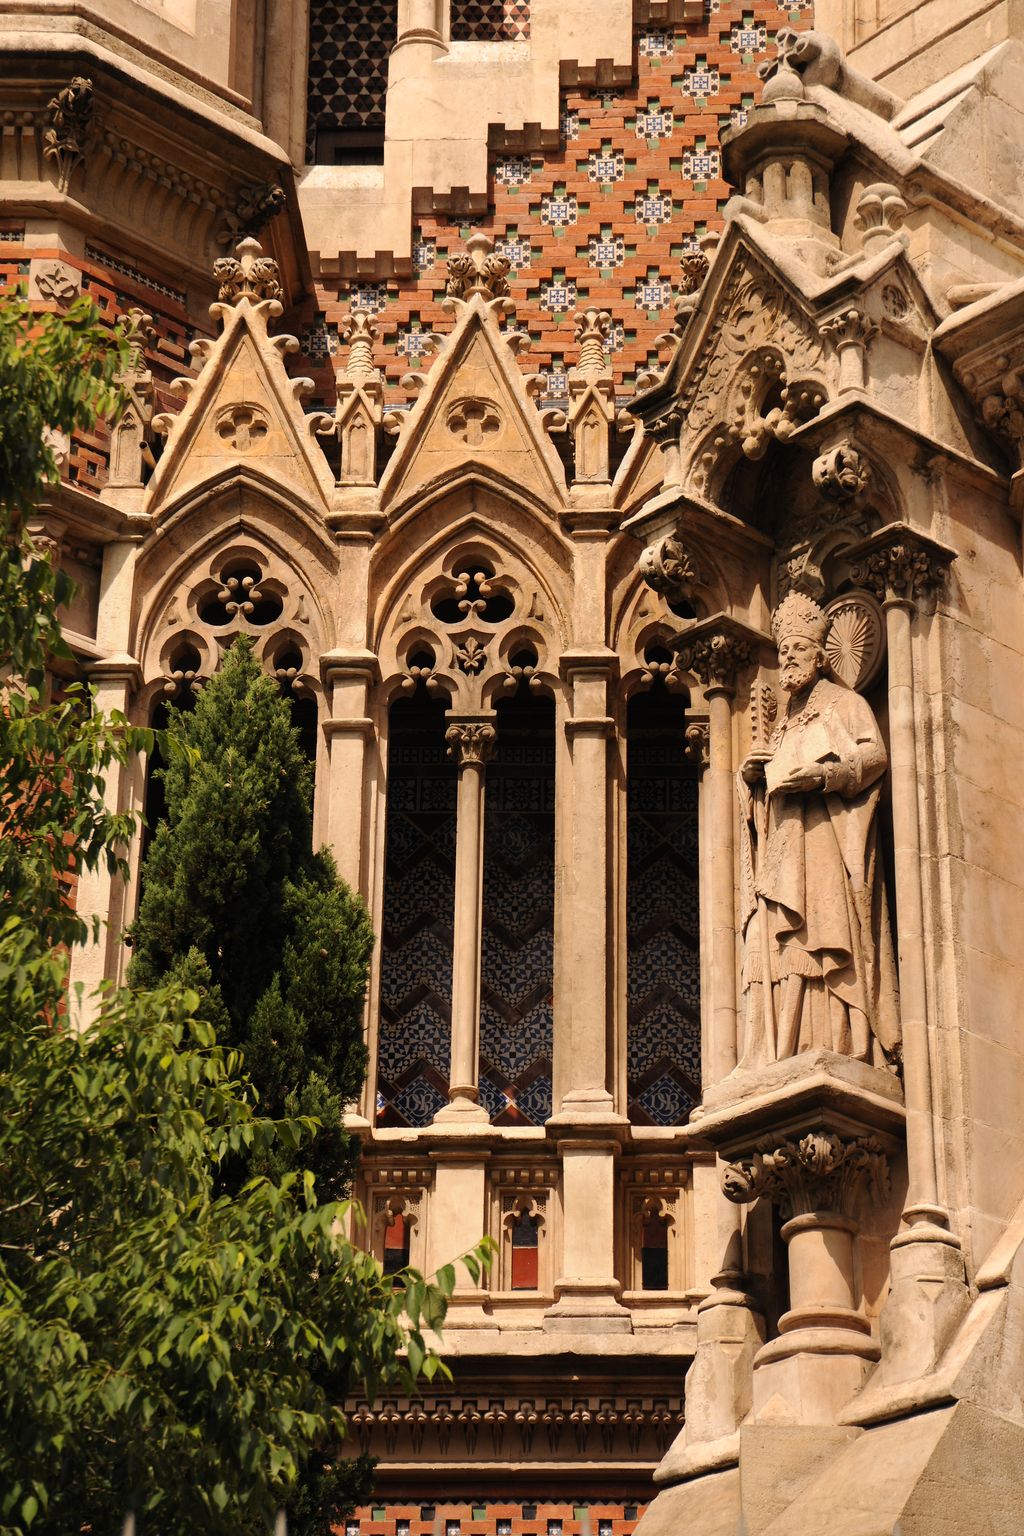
237 905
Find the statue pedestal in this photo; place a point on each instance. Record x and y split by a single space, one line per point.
812 1134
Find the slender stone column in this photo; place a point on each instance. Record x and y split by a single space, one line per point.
100 894
471 743
928 1294
582 1038
715 652
348 677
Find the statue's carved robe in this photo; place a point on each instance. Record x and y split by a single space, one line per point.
819 877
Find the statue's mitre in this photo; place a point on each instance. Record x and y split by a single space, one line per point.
799 615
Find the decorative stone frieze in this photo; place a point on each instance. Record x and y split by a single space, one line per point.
66 139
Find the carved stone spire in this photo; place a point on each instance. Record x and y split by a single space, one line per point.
360 406
591 410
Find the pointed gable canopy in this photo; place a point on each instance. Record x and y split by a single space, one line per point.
243 412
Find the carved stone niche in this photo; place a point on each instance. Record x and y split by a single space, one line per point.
818 1136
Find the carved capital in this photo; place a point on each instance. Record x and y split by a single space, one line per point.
900 566
841 473
850 328
247 275
471 742
697 743
717 658
669 567
66 138
818 1172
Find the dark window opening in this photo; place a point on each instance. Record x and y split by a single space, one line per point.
517 957
414 1043
662 905
654 1253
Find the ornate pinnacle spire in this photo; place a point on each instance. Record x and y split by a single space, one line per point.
592 329
359 329
478 270
247 275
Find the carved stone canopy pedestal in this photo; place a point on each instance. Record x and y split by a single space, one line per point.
814 1135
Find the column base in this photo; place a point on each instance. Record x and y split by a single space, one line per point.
591 1306
587 1106
462 1110
808 1376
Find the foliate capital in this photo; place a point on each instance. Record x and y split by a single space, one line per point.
471 742
899 565
819 1172
849 328
716 657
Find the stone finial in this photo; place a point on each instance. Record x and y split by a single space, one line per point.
881 210
256 205
478 270
64 141
247 275
592 330
130 435
359 329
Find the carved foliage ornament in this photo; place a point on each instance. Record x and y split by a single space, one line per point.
247 275
257 204
716 659
841 473
668 567
901 572
820 1172
471 742
479 270
66 138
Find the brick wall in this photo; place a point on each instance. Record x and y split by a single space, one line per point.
495 1517
602 221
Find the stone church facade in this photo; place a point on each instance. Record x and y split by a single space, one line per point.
608 421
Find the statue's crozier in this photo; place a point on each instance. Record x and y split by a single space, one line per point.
812 883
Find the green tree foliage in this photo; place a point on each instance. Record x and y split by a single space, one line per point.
169 1342
236 903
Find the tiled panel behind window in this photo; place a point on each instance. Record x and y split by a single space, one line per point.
519 904
413 1057
663 976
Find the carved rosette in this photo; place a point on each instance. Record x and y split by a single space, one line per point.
716 659
471 743
819 1172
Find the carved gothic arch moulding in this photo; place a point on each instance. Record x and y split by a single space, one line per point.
648 607
467 592
247 575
